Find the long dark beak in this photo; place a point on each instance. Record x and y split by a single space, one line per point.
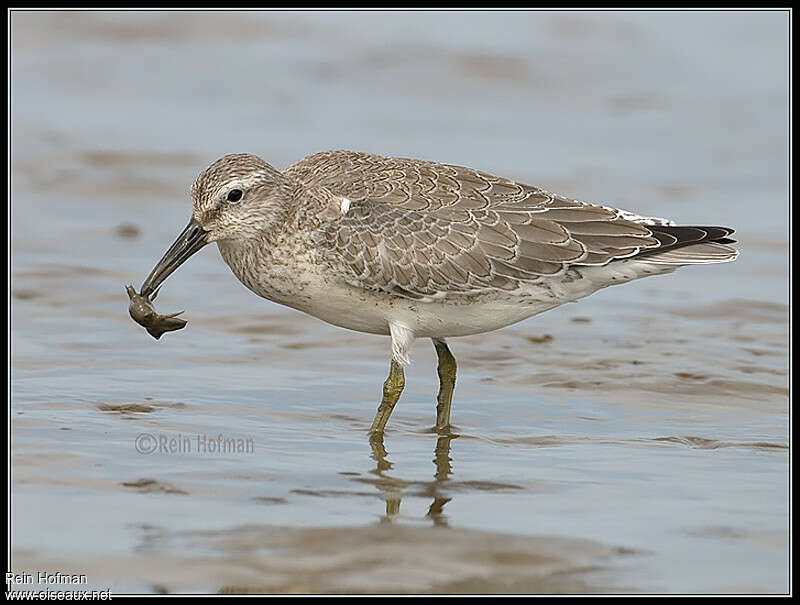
189 241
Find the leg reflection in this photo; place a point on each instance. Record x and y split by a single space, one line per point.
444 469
393 488
379 454
442 457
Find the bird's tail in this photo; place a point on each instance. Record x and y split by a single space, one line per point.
690 245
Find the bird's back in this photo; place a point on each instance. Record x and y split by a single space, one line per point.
426 230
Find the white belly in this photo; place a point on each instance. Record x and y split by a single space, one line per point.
367 311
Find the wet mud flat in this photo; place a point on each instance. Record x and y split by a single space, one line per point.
382 559
636 441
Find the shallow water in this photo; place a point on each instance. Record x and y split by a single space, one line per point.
635 441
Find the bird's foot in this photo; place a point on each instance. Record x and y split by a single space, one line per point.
443 431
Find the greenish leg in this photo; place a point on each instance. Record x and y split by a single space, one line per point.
391 393
447 382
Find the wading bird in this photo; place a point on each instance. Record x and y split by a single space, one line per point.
412 248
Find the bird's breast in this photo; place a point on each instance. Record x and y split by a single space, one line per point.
270 272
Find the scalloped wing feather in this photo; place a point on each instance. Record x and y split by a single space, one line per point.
423 230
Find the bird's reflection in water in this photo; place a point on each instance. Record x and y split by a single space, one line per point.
393 488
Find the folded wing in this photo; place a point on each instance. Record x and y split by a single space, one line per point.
424 230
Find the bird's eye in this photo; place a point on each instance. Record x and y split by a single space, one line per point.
234 195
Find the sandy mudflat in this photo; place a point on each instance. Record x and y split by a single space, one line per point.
643 431
379 559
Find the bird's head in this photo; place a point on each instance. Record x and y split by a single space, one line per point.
237 198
